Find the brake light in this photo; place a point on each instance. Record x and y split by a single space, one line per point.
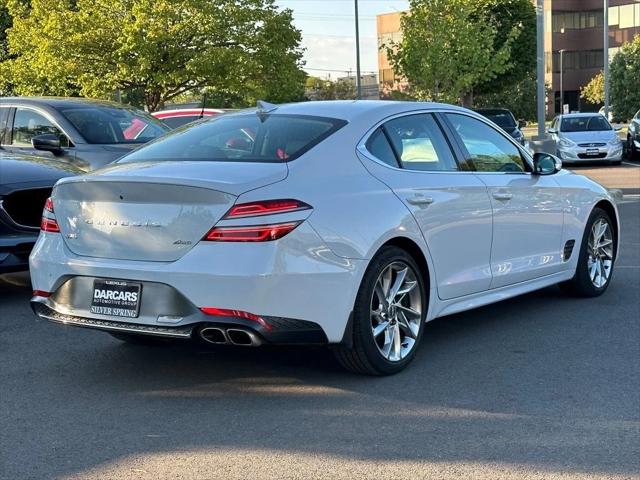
265 207
257 233
49 223
224 312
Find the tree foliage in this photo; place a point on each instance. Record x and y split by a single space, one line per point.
625 80
519 97
593 91
449 48
510 16
324 89
161 48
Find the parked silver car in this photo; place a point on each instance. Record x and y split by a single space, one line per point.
586 137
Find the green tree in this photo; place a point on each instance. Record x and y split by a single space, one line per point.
520 98
160 49
625 80
448 49
509 17
323 89
593 91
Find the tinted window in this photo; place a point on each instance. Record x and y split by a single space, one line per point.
104 125
379 147
419 143
246 137
175 122
4 116
29 123
489 150
502 118
584 124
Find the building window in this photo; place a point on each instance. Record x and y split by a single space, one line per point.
577 20
586 59
625 16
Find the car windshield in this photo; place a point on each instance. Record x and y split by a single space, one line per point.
594 123
243 137
113 125
501 118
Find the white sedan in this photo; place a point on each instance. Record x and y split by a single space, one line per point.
348 224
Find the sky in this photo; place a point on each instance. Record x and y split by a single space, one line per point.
328 33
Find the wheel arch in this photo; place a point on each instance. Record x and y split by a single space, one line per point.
413 249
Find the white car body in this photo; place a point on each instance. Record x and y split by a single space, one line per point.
479 237
586 146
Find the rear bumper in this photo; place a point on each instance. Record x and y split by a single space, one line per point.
282 331
296 283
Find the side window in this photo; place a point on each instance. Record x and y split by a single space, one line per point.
379 147
28 123
4 116
419 143
489 150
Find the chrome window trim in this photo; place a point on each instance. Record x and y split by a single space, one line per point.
38 111
362 149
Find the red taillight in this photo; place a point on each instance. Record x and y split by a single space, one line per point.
224 312
41 293
49 225
257 233
266 207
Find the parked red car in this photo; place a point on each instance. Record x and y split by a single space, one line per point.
181 116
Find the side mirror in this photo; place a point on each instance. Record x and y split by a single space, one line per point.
546 164
617 128
552 130
47 142
522 123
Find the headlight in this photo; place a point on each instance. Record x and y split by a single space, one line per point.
615 141
565 142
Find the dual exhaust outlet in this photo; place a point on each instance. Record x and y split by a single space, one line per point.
233 336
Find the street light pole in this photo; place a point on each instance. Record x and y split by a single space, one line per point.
358 80
606 58
540 67
561 81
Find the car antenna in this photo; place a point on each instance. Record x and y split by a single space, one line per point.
204 102
264 108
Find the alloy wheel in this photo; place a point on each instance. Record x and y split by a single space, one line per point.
600 253
396 311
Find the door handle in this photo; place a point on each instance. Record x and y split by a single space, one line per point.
502 195
420 200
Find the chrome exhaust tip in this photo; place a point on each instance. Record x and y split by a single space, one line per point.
243 337
214 335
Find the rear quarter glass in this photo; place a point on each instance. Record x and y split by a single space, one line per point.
241 138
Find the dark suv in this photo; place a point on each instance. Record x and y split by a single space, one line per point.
633 137
505 120
85 133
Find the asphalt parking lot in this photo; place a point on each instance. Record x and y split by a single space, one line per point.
540 386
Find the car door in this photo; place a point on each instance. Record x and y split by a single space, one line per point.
412 156
28 123
528 210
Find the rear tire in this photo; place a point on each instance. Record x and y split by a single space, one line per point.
596 258
389 316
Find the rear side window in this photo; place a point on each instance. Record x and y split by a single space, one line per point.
4 116
379 147
245 137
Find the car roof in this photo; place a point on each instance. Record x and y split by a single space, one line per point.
492 110
353 109
580 115
62 102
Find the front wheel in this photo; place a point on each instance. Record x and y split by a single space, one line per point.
389 315
596 257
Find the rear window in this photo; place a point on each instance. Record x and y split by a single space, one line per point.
503 119
175 122
245 137
105 125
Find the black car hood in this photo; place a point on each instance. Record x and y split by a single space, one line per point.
30 170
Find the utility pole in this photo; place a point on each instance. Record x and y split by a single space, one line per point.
606 59
540 68
561 81
358 80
